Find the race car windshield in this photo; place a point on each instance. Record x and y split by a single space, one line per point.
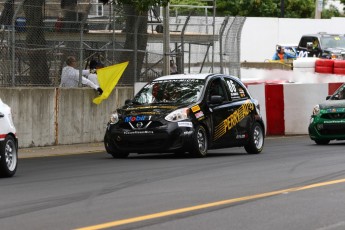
174 91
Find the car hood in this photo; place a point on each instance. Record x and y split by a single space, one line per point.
152 110
329 104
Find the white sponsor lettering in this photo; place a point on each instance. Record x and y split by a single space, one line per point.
185 124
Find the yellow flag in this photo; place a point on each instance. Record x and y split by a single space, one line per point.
108 78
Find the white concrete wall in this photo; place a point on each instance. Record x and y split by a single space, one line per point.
50 116
258 92
299 101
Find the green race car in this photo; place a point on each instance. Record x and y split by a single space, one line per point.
328 119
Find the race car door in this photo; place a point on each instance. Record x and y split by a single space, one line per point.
222 134
242 107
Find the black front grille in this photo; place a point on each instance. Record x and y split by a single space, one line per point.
126 125
333 129
333 116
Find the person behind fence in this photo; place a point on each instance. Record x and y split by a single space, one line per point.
94 66
281 54
173 67
70 76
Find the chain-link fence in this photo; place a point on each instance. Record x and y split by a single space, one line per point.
36 37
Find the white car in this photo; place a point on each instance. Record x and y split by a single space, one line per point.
8 142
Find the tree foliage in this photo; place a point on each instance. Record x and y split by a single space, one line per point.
142 5
266 8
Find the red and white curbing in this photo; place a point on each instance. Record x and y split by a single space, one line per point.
287 107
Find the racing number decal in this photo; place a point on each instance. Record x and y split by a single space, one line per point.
233 89
231 86
233 119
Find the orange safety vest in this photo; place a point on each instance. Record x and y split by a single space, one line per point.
281 56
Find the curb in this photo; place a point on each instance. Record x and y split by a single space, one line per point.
61 150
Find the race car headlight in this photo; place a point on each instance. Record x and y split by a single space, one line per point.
114 118
316 110
177 115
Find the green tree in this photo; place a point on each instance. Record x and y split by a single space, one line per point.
331 12
136 12
343 2
35 40
266 8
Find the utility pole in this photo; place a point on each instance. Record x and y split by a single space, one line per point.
318 8
166 41
282 7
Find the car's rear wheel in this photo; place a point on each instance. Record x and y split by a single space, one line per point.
322 142
199 142
256 139
113 151
9 157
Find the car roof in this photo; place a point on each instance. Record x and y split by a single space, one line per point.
322 35
202 76
184 76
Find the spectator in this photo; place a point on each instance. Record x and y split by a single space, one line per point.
316 51
94 66
70 76
173 67
281 55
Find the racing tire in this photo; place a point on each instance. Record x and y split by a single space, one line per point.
304 63
339 71
114 152
8 157
322 142
256 139
339 64
324 62
323 69
199 142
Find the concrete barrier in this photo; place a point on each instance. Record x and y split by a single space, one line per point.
51 116
287 107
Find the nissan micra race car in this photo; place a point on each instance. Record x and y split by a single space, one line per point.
8 142
187 114
328 119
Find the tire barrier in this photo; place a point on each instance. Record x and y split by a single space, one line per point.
339 67
324 66
304 64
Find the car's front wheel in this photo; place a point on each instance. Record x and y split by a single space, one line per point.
199 142
256 139
8 157
322 142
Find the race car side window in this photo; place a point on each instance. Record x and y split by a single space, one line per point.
237 92
216 89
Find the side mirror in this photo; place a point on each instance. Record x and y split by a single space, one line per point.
1 115
328 97
128 101
216 99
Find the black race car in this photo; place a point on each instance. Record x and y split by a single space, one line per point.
187 113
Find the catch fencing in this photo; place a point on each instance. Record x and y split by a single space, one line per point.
36 39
